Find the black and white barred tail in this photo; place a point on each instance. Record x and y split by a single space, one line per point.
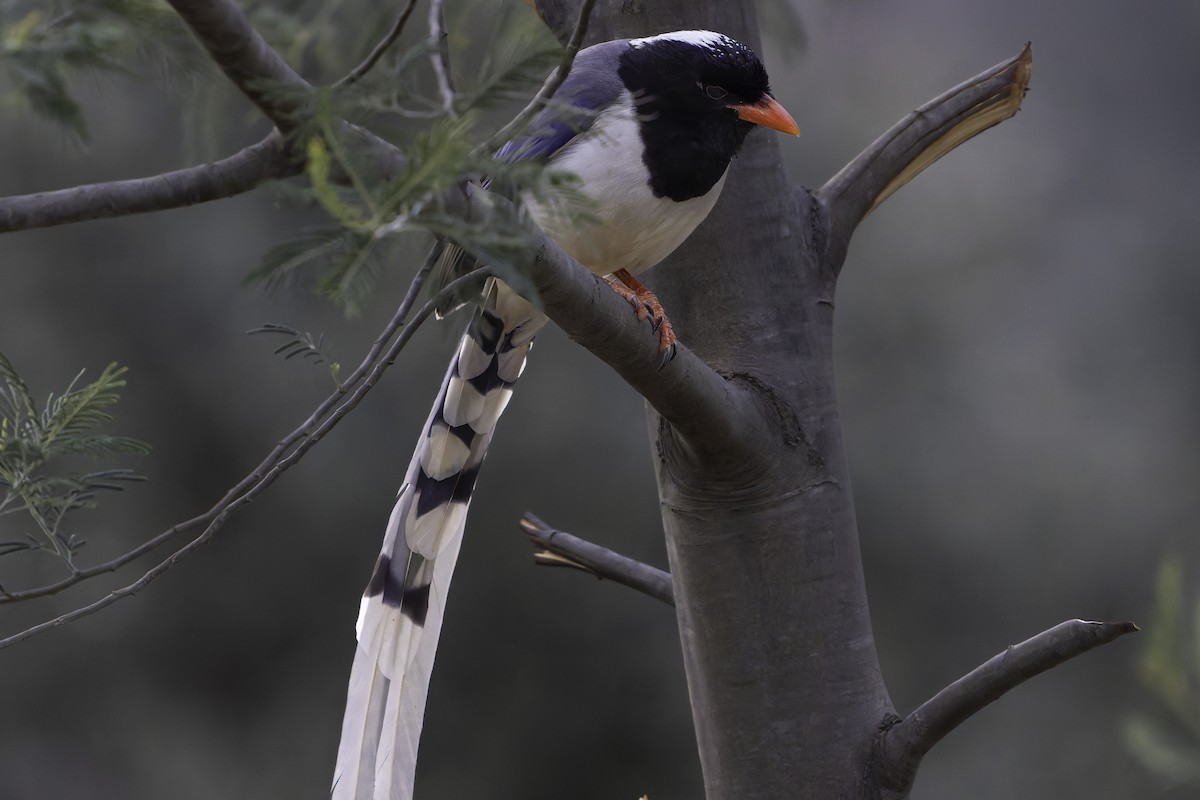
401 613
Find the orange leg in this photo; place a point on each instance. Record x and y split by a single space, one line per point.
647 306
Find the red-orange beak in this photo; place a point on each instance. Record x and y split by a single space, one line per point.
768 113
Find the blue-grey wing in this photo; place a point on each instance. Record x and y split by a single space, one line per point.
592 86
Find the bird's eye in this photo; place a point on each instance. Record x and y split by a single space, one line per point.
715 92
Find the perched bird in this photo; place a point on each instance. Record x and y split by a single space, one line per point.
650 127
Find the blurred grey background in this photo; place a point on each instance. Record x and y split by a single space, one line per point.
1017 365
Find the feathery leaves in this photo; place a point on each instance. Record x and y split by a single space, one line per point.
33 442
301 343
343 260
43 46
1165 739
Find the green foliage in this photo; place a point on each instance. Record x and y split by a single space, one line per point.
1168 743
44 46
344 259
34 443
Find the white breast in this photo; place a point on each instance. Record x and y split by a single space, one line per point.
626 226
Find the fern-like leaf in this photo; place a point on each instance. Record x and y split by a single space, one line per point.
302 344
76 413
33 442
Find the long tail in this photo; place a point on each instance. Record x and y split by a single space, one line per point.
401 613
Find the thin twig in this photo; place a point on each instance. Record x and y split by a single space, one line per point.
240 172
359 72
439 57
246 483
907 741
265 480
560 549
549 88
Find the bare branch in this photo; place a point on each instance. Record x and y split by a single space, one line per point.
230 176
280 449
561 549
303 438
259 72
245 57
907 741
359 72
920 139
552 84
439 57
276 453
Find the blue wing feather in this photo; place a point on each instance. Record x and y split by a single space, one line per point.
592 86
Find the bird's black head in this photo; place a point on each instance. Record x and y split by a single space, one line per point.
698 94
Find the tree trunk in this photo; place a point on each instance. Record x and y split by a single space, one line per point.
787 696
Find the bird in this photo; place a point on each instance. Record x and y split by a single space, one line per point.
648 127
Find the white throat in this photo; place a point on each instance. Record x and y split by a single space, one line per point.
629 228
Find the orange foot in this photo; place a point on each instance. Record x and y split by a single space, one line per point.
647 306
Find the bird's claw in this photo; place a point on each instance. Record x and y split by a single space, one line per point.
665 356
648 307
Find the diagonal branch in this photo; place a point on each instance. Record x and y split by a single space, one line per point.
439 57
560 549
280 449
359 72
920 139
242 53
264 77
283 457
230 176
906 742
246 58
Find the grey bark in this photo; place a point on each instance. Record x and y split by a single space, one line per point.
561 549
905 743
230 176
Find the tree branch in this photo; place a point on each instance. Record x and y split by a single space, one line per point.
369 360
260 73
284 456
920 139
245 57
906 742
251 64
560 549
359 72
228 177
439 57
